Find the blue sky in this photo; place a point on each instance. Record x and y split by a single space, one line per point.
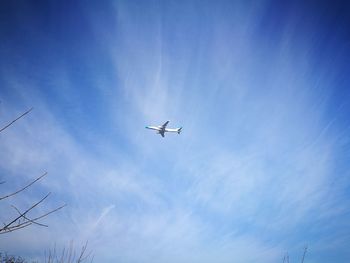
260 87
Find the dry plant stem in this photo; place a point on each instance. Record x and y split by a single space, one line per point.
29 222
22 220
21 215
24 188
305 250
12 122
83 249
68 255
28 219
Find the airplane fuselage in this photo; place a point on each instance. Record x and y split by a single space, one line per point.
162 129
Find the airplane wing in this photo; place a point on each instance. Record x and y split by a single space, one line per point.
165 124
161 132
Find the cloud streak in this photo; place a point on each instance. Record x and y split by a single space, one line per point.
259 169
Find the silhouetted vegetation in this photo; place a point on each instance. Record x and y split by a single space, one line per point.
22 219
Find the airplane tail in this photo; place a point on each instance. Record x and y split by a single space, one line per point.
179 130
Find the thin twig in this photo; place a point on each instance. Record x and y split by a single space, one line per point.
83 249
28 219
305 250
12 122
13 228
24 188
25 212
27 223
48 213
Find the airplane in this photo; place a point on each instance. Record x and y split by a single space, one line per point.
162 129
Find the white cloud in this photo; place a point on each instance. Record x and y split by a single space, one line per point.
253 165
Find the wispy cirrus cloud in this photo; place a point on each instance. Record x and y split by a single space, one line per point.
254 174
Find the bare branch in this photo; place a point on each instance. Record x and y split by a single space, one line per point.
48 213
24 188
23 220
12 122
68 255
305 250
25 212
13 228
83 249
28 219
